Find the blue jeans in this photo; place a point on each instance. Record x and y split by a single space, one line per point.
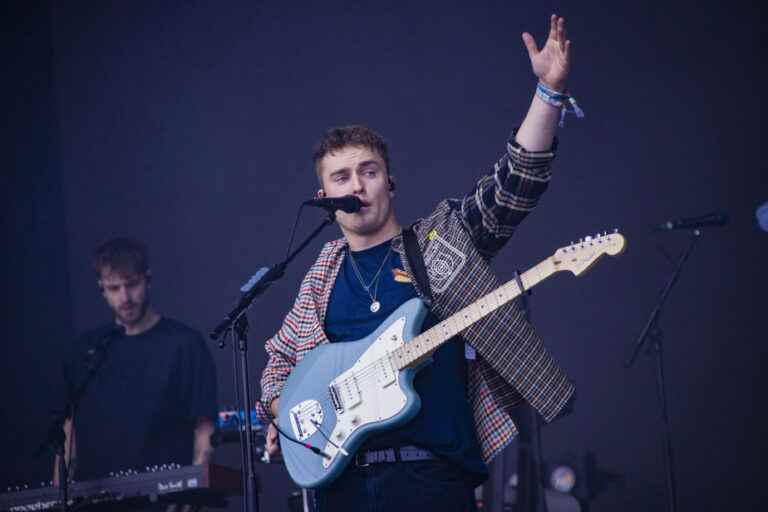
399 487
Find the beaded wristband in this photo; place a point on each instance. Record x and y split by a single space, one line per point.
565 102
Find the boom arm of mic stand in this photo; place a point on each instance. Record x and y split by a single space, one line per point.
644 335
274 273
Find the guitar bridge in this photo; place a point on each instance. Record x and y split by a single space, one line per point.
305 418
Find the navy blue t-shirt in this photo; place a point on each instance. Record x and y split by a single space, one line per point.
444 425
141 407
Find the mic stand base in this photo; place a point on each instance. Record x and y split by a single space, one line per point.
240 356
656 336
63 478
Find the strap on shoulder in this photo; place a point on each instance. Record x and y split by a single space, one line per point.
416 261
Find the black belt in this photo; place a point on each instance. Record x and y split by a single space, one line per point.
402 454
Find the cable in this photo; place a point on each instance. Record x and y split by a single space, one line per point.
293 231
317 426
308 446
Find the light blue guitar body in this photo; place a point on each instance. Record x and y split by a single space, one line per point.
340 394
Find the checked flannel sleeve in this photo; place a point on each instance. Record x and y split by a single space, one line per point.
502 199
282 354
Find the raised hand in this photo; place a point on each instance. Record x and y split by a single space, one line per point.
551 63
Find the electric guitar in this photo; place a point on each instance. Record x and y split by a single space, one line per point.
340 394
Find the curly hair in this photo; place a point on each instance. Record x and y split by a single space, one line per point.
122 255
354 135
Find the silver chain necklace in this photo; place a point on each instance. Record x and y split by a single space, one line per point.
375 304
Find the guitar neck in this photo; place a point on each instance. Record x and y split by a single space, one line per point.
422 346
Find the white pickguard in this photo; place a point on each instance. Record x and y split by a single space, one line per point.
369 391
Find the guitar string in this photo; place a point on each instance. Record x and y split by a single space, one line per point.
370 370
506 292
511 286
503 290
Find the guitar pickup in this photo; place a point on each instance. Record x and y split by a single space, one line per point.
350 392
335 399
385 375
345 393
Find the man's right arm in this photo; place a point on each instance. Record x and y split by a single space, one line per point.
281 351
273 439
282 357
70 452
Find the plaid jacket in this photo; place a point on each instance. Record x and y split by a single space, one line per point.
457 240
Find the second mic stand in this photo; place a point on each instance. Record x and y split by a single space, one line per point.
237 323
56 438
653 335
530 490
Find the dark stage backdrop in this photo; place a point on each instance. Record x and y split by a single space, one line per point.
189 125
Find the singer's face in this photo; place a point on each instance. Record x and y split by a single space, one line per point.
127 295
359 171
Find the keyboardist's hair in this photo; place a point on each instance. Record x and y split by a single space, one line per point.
125 256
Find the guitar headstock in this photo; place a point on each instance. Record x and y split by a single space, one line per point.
580 256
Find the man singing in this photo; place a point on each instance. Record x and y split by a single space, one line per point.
434 461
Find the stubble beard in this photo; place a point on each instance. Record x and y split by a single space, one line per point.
141 309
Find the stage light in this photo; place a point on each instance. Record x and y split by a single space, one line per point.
579 476
562 478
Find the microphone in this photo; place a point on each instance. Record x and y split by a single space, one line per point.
349 204
99 350
711 219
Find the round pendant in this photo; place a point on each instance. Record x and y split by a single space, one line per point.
375 306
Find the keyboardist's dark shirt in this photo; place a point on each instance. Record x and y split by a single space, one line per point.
141 408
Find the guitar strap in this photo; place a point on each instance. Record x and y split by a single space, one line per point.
416 261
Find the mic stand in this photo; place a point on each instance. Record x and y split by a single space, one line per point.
653 335
55 437
237 322
530 489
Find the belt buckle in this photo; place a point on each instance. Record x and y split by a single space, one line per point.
359 456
